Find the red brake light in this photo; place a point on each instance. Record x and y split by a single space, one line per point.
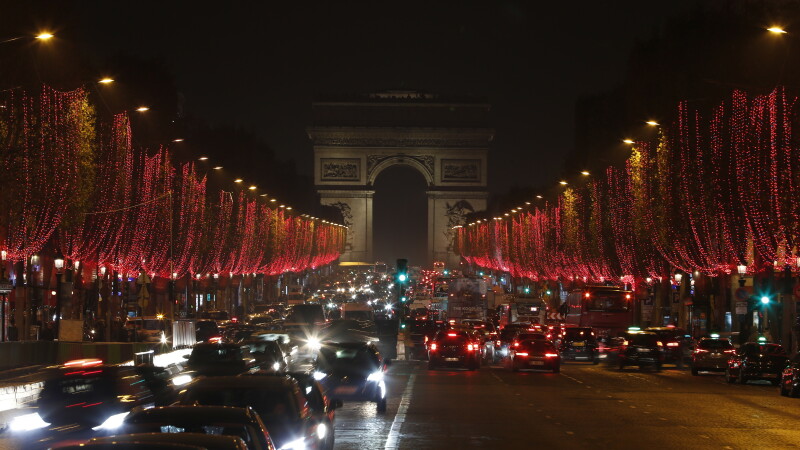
83 362
470 347
628 296
516 344
587 295
700 350
433 346
551 355
215 340
498 343
521 354
452 334
731 351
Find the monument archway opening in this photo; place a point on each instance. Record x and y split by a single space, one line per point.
400 216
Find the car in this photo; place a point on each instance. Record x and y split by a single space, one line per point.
211 420
91 393
579 344
278 400
353 371
322 407
711 354
535 354
757 361
640 348
453 348
674 344
486 332
220 359
268 354
790 377
235 333
418 333
165 441
206 330
505 338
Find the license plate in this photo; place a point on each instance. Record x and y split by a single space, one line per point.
643 350
451 359
536 363
578 344
345 390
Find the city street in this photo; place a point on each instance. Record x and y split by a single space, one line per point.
584 406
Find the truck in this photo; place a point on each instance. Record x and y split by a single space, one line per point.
519 309
466 299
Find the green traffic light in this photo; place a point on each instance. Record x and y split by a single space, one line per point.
764 300
402 299
548 292
446 272
402 277
527 290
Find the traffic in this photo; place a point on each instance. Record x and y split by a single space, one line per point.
286 376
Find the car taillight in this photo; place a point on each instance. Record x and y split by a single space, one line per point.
521 354
700 350
672 344
497 342
624 343
516 344
433 346
551 355
452 334
659 343
470 347
731 351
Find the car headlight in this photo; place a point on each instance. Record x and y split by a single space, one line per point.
375 376
276 366
163 338
27 422
180 380
112 423
322 430
319 375
314 344
297 444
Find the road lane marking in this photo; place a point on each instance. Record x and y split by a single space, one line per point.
393 439
573 379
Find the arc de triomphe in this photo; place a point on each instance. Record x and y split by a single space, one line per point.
446 140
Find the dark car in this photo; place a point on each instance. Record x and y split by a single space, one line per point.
790 377
206 329
579 344
418 333
640 349
212 420
538 355
268 354
322 407
452 348
221 359
91 393
711 354
757 361
506 337
674 345
278 400
237 332
353 372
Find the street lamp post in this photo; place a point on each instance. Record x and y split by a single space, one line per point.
216 280
59 265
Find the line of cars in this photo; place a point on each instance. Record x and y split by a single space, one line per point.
237 383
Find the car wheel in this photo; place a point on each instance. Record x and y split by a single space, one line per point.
728 377
694 371
382 405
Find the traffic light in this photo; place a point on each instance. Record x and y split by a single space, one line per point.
764 300
402 270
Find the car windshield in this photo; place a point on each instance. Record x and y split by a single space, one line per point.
78 385
579 334
644 339
216 353
771 349
358 315
270 404
306 314
347 357
207 326
531 336
715 344
195 426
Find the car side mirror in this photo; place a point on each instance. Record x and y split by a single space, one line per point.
336 403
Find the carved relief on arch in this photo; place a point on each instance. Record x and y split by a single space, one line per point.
376 163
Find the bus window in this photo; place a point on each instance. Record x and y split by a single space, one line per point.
607 301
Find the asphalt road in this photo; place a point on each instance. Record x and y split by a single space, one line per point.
584 406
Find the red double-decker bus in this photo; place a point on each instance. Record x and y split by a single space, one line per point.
607 309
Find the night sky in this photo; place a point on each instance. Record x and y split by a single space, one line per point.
260 64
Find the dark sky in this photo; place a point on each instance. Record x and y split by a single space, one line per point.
259 64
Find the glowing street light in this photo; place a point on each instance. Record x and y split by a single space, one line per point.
652 123
585 173
106 80
252 188
562 182
628 141
539 197
238 180
203 158
142 109
776 30
218 168
43 36
177 140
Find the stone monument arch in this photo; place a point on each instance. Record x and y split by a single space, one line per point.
445 139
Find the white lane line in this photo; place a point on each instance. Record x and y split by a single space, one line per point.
573 379
393 439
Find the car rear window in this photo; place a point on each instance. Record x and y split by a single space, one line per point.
270 404
212 428
216 353
579 334
539 346
531 336
643 339
715 344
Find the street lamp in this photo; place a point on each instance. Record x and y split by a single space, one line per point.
742 269
776 30
59 265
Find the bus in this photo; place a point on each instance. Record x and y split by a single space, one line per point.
523 310
607 309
